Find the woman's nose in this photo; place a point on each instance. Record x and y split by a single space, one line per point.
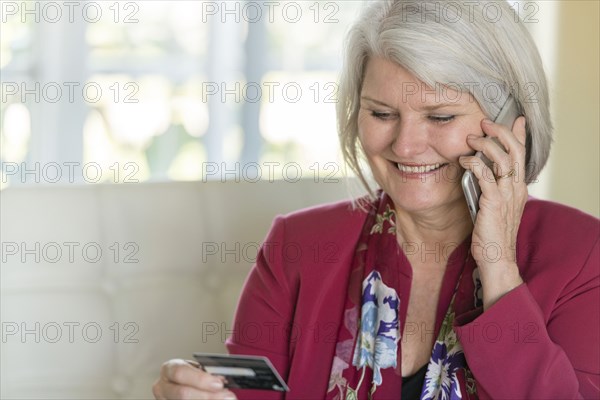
410 138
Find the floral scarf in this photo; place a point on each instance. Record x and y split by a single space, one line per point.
366 357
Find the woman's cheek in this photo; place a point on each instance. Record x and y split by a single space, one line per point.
374 136
367 136
453 144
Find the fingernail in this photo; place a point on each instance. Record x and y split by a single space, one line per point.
229 396
216 385
487 121
471 137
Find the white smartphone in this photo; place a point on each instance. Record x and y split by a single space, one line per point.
507 116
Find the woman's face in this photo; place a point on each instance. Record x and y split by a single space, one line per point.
412 136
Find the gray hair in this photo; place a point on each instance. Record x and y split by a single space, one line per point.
471 47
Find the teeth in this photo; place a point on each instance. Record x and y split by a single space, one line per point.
417 169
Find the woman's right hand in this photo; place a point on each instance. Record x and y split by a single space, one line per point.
184 380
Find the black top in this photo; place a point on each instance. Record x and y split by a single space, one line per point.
412 385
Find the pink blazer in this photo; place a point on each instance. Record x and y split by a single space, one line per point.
539 341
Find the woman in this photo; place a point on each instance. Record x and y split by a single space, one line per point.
407 298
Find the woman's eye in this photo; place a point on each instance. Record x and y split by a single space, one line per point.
441 119
381 115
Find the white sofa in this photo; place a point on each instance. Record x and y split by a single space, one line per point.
78 324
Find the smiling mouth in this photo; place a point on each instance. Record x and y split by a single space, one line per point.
419 169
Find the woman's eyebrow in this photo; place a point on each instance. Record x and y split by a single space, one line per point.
431 107
434 107
381 103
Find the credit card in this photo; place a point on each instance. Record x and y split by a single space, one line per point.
243 372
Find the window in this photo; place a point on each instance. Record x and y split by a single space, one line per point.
124 91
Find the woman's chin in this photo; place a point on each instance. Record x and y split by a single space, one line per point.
421 202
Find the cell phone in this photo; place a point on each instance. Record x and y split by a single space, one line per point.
243 372
507 116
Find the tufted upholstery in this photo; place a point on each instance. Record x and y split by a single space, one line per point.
78 324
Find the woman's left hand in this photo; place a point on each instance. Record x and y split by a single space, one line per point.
503 197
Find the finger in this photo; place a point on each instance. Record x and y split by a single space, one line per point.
512 139
482 172
170 390
492 150
519 129
514 143
193 363
182 373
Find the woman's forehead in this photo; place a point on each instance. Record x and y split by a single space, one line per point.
389 83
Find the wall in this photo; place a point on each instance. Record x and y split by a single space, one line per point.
575 169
